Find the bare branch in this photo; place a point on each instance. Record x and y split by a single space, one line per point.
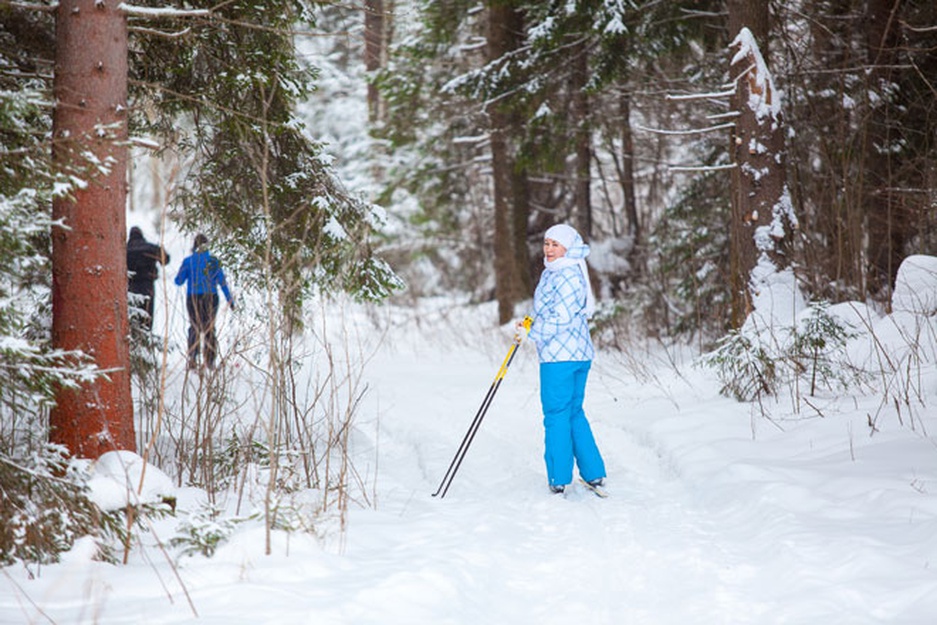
918 29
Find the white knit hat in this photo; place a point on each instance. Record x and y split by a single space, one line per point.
564 235
576 251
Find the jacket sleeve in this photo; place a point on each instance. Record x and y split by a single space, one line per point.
183 274
218 279
224 286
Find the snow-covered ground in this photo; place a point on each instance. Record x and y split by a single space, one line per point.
716 514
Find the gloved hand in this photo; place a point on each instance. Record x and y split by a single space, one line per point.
232 305
521 328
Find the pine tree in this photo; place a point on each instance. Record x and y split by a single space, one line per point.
218 87
89 269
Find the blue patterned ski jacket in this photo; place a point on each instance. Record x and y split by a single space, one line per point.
561 329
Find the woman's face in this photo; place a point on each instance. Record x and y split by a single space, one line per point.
552 250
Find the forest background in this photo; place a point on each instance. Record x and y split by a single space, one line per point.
484 124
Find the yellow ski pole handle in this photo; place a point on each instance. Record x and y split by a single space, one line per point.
526 323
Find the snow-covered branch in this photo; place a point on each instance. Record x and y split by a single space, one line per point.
144 142
698 168
160 33
726 115
918 29
689 131
31 6
701 96
138 11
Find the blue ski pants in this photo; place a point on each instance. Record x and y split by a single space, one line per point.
567 434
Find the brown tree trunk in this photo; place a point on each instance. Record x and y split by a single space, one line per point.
521 216
583 140
889 224
759 179
753 15
837 217
628 184
373 53
504 29
89 266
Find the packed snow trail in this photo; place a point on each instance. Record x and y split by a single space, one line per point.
519 554
715 515
718 544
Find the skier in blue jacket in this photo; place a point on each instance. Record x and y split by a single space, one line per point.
203 274
563 303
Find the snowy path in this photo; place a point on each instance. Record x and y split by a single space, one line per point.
500 548
819 524
703 526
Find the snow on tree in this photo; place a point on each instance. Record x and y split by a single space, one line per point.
762 212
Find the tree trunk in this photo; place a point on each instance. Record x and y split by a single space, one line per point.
373 53
753 15
504 29
521 215
837 259
89 265
759 197
889 224
628 184
583 140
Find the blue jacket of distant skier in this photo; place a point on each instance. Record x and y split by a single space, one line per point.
561 326
204 275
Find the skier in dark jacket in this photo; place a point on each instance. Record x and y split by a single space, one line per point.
142 257
203 274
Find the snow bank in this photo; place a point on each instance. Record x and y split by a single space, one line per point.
116 481
916 286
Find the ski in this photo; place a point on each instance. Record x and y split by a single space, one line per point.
598 491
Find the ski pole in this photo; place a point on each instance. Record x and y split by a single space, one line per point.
482 410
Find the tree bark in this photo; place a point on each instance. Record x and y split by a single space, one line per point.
628 184
583 140
504 29
89 266
759 178
889 223
838 216
373 53
521 215
753 15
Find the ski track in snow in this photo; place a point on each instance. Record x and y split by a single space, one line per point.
547 558
705 524
665 547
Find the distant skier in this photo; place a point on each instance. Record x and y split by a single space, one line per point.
142 257
203 274
563 303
